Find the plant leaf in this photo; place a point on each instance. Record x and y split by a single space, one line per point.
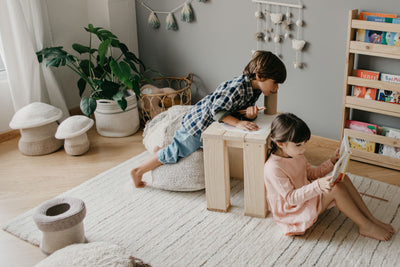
88 105
81 85
81 49
109 89
103 48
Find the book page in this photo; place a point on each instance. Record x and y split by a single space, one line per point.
263 121
341 165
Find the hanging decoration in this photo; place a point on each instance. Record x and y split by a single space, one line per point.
170 22
275 22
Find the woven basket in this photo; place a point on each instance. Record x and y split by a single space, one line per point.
152 104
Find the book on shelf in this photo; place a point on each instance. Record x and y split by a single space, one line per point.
362 91
387 95
388 150
339 170
359 143
363 16
393 38
374 36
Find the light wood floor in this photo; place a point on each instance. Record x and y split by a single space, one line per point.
25 182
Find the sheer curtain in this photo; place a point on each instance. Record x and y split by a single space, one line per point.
24 29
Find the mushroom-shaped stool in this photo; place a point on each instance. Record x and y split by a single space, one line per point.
73 130
37 123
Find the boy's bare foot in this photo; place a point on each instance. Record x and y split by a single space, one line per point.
137 178
377 232
156 148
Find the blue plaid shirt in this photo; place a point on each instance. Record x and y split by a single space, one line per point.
229 96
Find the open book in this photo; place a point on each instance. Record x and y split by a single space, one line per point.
341 165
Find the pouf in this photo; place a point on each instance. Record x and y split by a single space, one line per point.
61 222
37 124
185 175
99 254
73 130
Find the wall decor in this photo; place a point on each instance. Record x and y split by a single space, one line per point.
278 22
170 22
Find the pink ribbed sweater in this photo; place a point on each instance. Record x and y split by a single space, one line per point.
293 193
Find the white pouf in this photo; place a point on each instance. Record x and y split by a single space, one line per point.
73 130
61 222
188 173
37 124
99 254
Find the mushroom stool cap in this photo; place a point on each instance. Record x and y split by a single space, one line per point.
74 126
34 115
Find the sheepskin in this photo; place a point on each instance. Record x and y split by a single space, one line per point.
188 173
99 254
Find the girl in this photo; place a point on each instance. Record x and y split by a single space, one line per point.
297 193
262 75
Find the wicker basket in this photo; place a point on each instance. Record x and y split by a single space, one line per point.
152 104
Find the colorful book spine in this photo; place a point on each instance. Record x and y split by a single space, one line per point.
393 38
358 143
376 37
362 91
387 95
363 16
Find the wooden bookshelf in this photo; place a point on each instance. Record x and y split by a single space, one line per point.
350 79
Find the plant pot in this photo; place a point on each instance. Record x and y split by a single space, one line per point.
111 121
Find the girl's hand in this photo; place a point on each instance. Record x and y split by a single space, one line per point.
324 184
251 112
247 125
335 156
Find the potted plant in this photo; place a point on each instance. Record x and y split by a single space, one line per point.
110 71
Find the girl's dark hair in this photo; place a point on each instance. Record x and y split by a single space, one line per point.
266 65
287 127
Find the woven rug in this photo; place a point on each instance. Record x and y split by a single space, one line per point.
175 229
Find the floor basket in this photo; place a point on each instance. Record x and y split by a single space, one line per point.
152 104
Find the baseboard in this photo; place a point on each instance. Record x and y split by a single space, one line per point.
8 135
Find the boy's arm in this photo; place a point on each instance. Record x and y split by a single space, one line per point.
245 125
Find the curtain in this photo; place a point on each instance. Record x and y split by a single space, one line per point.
24 29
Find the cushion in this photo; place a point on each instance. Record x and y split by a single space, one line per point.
91 254
185 175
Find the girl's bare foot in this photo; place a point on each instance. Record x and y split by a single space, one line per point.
384 225
137 178
375 231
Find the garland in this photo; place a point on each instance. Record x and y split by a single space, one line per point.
170 22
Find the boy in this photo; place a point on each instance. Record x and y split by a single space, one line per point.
231 102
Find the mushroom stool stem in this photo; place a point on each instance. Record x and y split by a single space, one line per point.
77 145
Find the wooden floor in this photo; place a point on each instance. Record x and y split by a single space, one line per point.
26 182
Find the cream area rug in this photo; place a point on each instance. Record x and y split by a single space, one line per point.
175 229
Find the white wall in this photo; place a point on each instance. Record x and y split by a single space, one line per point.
67 21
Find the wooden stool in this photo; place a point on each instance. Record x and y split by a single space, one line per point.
217 140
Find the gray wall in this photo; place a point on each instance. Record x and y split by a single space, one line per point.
217 46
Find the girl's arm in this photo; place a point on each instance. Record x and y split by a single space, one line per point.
282 184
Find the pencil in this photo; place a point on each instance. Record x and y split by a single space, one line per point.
368 195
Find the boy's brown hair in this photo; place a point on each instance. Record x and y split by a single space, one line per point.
266 65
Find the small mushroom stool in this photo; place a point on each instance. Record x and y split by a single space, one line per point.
37 123
73 130
61 222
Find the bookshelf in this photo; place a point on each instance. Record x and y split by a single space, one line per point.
353 102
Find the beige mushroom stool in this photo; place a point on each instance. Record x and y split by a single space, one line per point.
73 130
37 123
61 222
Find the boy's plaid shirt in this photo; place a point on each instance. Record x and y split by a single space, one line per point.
229 96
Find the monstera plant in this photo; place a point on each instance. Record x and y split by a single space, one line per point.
108 70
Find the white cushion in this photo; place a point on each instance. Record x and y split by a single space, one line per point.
91 254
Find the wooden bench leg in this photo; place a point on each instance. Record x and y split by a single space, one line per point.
255 201
216 170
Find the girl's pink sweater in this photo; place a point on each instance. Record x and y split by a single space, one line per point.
293 193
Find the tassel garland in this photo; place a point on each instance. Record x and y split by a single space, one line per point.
170 22
187 13
153 21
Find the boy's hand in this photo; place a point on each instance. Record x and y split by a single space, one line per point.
247 125
251 112
335 156
324 184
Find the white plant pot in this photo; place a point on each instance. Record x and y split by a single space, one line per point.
111 121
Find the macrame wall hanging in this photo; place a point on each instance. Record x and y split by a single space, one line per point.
278 22
170 22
